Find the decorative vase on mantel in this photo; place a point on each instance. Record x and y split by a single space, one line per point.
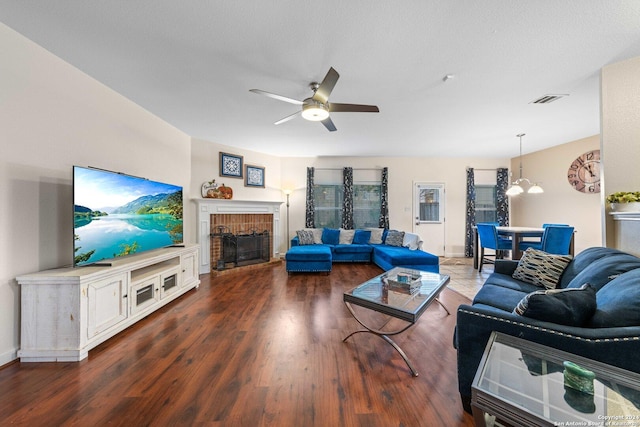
624 201
625 207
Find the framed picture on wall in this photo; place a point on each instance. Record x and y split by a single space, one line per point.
254 176
230 165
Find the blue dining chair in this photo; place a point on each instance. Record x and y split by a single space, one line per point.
556 239
538 240
489 239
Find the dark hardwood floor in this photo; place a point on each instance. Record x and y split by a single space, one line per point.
252 348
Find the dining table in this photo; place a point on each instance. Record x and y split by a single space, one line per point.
516 234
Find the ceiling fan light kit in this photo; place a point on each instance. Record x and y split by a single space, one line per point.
317 107
314 111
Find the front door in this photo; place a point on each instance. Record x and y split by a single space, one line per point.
428 214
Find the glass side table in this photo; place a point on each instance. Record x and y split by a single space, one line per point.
521 383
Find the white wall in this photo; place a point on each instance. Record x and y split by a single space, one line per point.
205 166
620 93
53 116
559 203
403 172
290 173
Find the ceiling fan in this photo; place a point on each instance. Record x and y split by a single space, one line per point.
317 107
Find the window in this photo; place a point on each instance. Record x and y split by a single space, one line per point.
328 203
486 201
366 205
329 198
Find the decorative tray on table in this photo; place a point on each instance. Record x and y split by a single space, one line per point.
405 281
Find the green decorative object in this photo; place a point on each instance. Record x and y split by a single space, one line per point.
624 197
579 401
578 378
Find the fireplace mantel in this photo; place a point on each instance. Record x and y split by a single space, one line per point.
627 231
208 207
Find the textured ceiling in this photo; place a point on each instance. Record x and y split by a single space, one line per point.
192 63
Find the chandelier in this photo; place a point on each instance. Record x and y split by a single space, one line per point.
515 188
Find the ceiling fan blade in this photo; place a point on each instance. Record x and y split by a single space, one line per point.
325 88
329 124
274 96
286 119
335 107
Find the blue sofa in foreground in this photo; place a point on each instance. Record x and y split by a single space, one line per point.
319 248
592 311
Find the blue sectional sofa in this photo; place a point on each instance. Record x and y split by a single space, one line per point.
314 257
600 321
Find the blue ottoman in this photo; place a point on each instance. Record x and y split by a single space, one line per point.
308 258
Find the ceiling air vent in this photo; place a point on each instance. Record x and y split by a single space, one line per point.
548 98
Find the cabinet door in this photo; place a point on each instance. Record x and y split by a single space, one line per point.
169 282
107 303
145 294
189 268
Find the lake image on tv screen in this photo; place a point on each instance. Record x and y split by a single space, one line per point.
117 215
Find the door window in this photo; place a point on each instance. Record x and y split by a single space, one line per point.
430 203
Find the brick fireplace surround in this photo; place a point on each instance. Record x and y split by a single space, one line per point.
238 216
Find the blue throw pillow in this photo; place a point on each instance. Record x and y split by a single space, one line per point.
618 302
330 236
361 237
572 306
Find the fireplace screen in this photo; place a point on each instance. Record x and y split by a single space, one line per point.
245 249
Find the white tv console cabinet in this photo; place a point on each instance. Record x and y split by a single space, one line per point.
68 311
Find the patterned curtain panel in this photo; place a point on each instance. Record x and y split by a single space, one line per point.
502 205
471 213
347 207
384 200
310 209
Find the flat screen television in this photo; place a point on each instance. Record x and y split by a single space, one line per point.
116 215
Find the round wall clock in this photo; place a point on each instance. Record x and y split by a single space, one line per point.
584 172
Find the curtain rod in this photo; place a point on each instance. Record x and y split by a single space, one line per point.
355 169
487 170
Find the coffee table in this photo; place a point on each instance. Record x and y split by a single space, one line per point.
383 296
521 383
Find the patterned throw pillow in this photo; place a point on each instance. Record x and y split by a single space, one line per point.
571 306
305 237
540 268
394 238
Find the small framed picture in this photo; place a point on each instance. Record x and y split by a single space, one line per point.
230 165
254 176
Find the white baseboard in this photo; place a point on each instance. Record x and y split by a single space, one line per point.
8 357
454 255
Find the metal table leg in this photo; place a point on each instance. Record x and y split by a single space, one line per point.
385 336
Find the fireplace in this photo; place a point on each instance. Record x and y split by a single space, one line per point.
237 217
243 249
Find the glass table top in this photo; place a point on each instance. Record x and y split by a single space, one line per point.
384 294
530 377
